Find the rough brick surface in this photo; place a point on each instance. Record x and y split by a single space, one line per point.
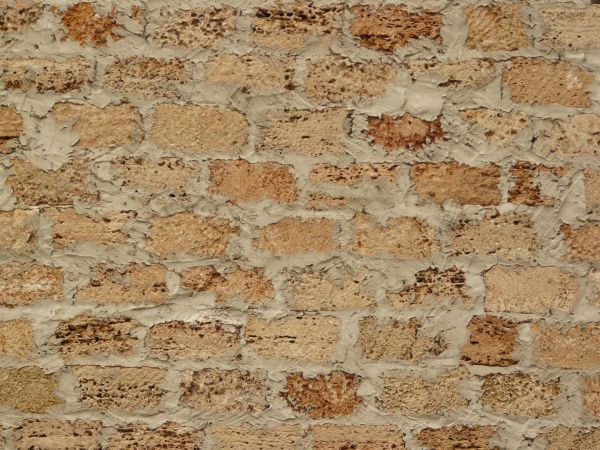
577 136
566 437
167 435
362 437
82 23
571 28
449 438
573 347
455 75
45 75
11 127
293 235
27 283
497 27
19 15
583 242
404 132
28 389
16 339
20 228
284 437
492 340
58 435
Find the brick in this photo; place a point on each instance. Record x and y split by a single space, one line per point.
322 202
454 181
404 132
455 75
300 337
577 136
150 77
108 127
24 284
506 236
528 180
340 80
359 437
431 285
497 27
119 388
176 128
571 28
45 75
569 347
591 395
84 24
19 15
499 127
404 237
592 190
61 187
537 81
16 339
51 434
192 340
134 283
412 394
519 394
251 73
251 285
20 230
353 174
11 127
323 396
458 436
28 389
397 340
594 283
242 437
530 290
189 233
221 391
241 181
390 27
89 336
584 242
167 435
192 28
294 235
563 437
492 341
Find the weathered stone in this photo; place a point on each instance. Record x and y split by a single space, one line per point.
357 437
571 28
45 75
454 437
497 27
456 75
51 434
404 132
568 347
16 339
24 284
28 389
577 136
169 435
492 340
20 230
496 126
11 127
583 242
353 174
527 187
18 15
282 437
293 235
562 438
84 24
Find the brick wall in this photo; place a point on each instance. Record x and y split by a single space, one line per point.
260 225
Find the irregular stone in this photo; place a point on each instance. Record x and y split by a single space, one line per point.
24 284
527 187
166 436
20 230
294 235
499 127
358 437
11 127
571 28
51 434
497 27
577 136
492 340
16 339
45 75
562 437
592 190
458 436
84 24
353 174
18 15
455 75
568 347
243 437
404 132
28 389
583 242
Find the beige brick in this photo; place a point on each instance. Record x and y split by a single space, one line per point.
496 126
322 202
353 174
358 437
577 136
28 389
134 283
497 27
243 437
571 28
300 337
454 181
594 283
45 75
192 340
119 388
192 28
11 127
220 391
528 180
592 190
168 435
390 27
569 347
583 242
492 341
24 284
404 237
537 81
455 75
591 395
18 15
176 128
111 126
241 181
458 436
404 132
519 394
323 396
20 230
530 290
16 339
51 434
293 235
339 80
562 437
83 23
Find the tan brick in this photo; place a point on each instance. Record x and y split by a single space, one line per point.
323 202
16 339
592 190
28 389
519 394
409 393
571 28
192 28
468 74
83 23
499 127
145 76
530 290
220 391
458 436
340 80
20 230
300 337
168 435
562 437
190 234
537 81
243 437
492 341
111 126
497 27
11 127
454 181
86 336
45 75
358 437
293 235
51 434
119 388
241 181
24 284
176 128
404 237
353 174
323 396
591 395
569 347
594 283
577 136
404 132
18 15
134 283
527 185
583 242
192 340
390 27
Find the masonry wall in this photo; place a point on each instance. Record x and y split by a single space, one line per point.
260 225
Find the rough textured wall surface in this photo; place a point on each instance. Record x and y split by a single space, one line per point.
259 225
